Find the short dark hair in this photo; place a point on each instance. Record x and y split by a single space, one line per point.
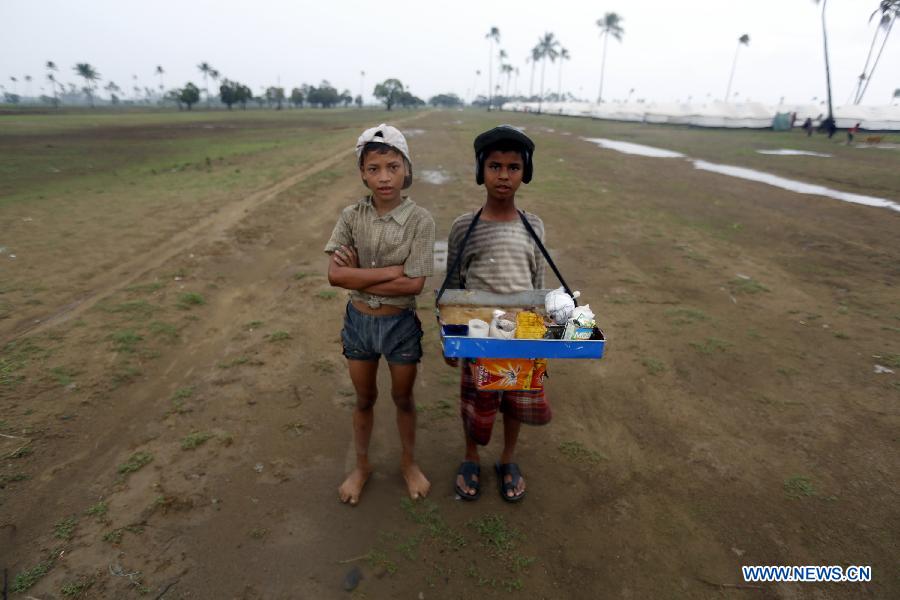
378 148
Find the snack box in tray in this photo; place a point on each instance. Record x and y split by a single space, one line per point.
456 307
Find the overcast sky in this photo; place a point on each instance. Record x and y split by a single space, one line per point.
670 50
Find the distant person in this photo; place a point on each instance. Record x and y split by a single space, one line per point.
828 126
808 126
492 249
851 132
382 249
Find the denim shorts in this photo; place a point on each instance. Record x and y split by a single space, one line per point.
367 337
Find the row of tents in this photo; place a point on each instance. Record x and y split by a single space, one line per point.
722 114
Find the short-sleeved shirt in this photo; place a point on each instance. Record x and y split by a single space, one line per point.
500 256
403 236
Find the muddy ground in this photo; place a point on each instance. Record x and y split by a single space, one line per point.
175 410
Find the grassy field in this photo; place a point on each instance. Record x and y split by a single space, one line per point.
173 399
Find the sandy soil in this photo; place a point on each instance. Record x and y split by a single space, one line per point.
179 429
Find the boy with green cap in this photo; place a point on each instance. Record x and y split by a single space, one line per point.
382 249
500 256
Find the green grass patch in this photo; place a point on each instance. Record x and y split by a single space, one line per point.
145 288
65 529
326 294
125 340
427 514
711 345
799 486
27 578
578 452
12 478
495 532
741 285
892 359
278 336
135 463
22 452
63 375
15 356
653 366
187 300
241 360
136 310
196 439
98 510
77 589
686 316
253 325
167 331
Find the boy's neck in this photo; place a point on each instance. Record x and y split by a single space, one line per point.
499 210
383 207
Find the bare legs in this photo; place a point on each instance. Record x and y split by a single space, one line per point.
403 376
363 375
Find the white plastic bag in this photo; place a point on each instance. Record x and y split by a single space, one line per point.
502 328
559 305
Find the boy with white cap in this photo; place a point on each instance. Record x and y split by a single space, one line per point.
382 249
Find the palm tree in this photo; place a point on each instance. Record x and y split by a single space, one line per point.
51 77
15 85
205 68
548 49
610 25
28 85
492 36
890 11
160 72
516 85
501 59
535 56
90 76
563 56
743 40
508 70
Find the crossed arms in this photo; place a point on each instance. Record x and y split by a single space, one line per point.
344 271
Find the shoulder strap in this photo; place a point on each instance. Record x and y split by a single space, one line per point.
459 254
546 255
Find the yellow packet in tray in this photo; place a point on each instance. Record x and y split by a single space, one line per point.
530 326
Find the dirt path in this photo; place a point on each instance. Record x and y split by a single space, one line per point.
726 426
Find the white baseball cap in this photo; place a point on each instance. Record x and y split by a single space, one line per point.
389 136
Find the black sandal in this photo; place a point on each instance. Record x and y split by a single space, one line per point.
511 469
468 469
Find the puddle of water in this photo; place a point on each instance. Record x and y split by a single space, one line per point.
638 149
434 177
794 186
789 152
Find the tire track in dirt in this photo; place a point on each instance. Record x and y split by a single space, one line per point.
212 227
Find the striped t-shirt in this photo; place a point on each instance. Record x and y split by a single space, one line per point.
500 256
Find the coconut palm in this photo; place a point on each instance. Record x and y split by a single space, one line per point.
745 41
548 46
51 77
15 85
890 11
160 71
534 57
563 56
90 76
610 25
501 60
28 85
508 70
492 36
206 68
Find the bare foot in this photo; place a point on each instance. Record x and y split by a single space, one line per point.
352 487
416 483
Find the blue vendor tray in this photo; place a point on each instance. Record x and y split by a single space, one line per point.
462 346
